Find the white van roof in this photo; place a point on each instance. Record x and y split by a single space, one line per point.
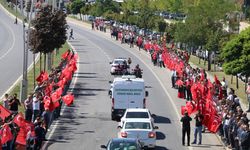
128 78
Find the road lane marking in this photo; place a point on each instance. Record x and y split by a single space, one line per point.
13 43
105 54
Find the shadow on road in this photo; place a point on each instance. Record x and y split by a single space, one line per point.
161 119
88 77
84 63
160 135
85 73
160 148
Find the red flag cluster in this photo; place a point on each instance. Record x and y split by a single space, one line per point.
52 98
25 127
201 90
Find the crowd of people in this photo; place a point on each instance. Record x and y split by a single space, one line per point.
217 107
41 107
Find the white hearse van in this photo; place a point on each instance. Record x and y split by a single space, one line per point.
127 92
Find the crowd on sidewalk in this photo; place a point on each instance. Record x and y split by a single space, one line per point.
218 105
41 107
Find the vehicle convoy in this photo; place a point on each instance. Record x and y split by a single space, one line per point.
142 129
127 92
123 144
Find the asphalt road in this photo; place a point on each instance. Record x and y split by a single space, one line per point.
11 51
87 124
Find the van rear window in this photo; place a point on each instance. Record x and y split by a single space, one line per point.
137 115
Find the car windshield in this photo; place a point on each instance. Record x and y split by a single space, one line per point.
137 125
118 62
137 115
121 145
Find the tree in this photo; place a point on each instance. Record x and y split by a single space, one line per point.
236 54
162 26
49 31
203 22
76 6
146 15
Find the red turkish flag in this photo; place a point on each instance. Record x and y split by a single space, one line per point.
55 97
42 77
183 109
216 80
215 123
19 119
4 112
47 102
179 82
61 83
65 54
59 91
6 134
68 99
21 137
24 126
190 107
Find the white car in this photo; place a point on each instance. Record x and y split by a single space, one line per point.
137 113
115 63
142 129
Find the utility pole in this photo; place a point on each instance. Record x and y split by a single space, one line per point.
24 84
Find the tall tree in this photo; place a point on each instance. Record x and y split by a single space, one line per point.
202 22
49 31
76 6
236 54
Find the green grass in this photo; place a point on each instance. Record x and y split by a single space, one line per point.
30 76
240 92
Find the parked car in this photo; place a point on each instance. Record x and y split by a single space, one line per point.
123 144
142 129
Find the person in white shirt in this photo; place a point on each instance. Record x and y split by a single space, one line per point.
36 106
224 86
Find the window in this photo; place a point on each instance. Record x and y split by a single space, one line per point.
137 115
137 125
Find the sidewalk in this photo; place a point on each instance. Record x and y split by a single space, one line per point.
210 141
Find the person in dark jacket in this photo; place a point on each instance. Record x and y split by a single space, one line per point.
186 128
245 138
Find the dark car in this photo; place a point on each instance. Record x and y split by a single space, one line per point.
123 144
